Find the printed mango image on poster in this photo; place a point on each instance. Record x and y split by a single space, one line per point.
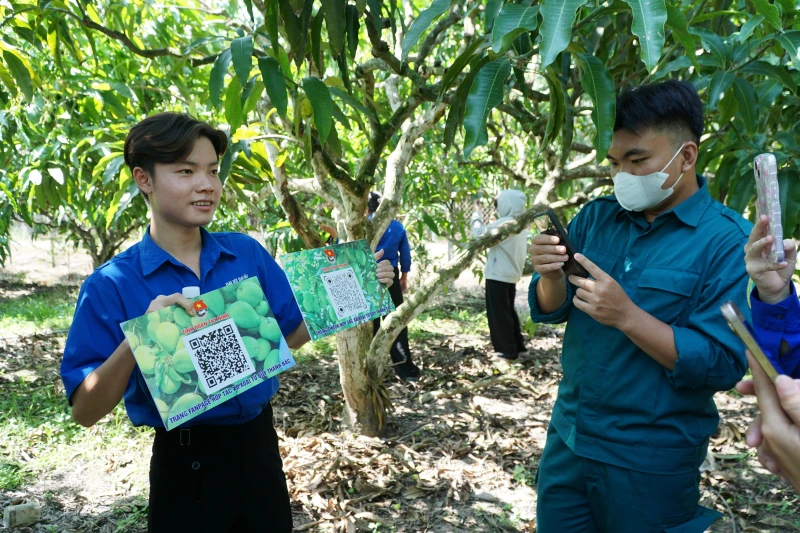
337 287
193 363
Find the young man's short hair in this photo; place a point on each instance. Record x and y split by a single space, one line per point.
373 202
671 107
168 138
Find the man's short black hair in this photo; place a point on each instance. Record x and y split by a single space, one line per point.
672 107
168 138
373 202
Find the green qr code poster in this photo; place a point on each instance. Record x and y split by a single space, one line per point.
337 287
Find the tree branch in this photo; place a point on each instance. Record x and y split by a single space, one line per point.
587 171
430 40
296 216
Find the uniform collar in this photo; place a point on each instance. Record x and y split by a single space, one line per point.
153 256
690 211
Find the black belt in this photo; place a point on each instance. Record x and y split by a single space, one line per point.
203 433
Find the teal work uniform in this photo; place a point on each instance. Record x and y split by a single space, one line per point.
627 435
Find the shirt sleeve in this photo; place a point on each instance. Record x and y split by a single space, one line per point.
476 224
95 332
778 322
575 229
710 355
279 293
405 253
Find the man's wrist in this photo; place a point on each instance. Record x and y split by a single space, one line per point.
629 318
772 299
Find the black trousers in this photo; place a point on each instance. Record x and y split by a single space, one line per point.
400 350
219 479
504 326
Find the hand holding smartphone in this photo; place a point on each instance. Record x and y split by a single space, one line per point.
768 203
743 330
547 223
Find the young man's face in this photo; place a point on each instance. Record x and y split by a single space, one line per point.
645 154
187 193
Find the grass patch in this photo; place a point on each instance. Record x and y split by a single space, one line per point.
13 476
26 312
325 347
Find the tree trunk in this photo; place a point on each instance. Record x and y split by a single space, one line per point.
364 395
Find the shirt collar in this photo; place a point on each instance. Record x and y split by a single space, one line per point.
689 211
153 256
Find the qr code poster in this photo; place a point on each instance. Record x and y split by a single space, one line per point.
337 287
193 363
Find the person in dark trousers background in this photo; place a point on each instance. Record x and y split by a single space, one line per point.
396 250
503 270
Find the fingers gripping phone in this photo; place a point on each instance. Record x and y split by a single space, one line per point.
742 329
547 223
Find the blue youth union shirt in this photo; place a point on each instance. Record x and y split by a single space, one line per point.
123 288
776 323
615 403
394 243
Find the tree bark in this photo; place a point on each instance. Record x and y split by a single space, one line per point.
365 397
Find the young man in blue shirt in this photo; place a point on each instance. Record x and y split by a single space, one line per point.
222 471
645 347
394 244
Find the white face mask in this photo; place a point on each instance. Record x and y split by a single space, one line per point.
637 193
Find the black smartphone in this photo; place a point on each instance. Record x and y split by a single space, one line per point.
742 329
547 223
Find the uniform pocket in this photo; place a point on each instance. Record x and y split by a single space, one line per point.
665 293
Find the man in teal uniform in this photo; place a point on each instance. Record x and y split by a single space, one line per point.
645 346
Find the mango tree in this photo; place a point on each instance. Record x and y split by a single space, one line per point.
327 100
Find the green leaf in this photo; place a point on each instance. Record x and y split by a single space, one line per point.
713 43
747 99
234 113
720 82
316 41
271 23
728 106
320 97
227 162
555 118
773 72
677 22
249 4
242 55
421 24
649 17
770 13
351 16
428 220
790 41
486 92
476 47
217 78
789 191
558 16
349 100
597 83
292 29
8 81
255 95
512 21
20 73
458 107
273 79
334 11
492 9
748 28
742 191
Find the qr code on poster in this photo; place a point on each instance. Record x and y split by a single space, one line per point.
345 293
219 356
